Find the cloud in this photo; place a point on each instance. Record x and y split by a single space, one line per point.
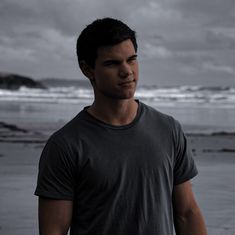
38 37
9 53
222 38
208 12
219 68
154 51
153 10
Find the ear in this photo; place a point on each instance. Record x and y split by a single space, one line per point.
86 70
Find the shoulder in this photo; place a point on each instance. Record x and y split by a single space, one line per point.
162 120
64 146
69 133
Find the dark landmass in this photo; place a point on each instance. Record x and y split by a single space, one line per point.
11 127
225 150
15 81
10 133
219 133
59 82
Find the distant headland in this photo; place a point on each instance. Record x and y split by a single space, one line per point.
15 81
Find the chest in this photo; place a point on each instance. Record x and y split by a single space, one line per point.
126 159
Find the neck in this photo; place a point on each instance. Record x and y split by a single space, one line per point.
114 112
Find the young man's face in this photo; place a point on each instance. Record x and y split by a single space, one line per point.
115 74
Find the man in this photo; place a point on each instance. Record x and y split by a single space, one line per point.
119 167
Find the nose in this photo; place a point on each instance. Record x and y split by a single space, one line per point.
125 70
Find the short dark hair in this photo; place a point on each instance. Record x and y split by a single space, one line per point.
100 33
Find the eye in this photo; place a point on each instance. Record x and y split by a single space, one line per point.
132 59
111 63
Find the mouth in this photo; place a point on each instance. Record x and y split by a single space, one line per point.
127 83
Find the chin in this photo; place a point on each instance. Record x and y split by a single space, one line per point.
129 95
120 94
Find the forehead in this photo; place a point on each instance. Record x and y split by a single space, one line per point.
121 50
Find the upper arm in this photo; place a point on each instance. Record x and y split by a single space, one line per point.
184 201
187 215
54 216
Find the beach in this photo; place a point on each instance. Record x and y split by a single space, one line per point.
25 127
214 186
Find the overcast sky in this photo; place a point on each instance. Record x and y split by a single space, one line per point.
180 41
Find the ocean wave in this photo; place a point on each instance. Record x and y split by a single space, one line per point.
166 95
50 95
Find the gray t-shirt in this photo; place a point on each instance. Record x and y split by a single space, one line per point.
120 178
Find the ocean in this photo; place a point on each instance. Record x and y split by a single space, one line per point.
198 108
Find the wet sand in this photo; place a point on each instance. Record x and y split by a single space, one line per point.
20 148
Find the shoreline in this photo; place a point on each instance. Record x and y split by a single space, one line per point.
39 134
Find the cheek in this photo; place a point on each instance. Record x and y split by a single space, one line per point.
104 79
107 76
135 67
136 70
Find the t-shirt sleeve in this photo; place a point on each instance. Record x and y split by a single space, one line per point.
57 174
184 165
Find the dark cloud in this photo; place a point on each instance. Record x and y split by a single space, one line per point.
213 12
221 39
38 37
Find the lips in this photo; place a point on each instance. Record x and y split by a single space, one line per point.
127 83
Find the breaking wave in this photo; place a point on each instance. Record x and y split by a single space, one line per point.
164 95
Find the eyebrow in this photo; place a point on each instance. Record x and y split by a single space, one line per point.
133 57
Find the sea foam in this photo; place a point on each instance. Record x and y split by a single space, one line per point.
196 95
